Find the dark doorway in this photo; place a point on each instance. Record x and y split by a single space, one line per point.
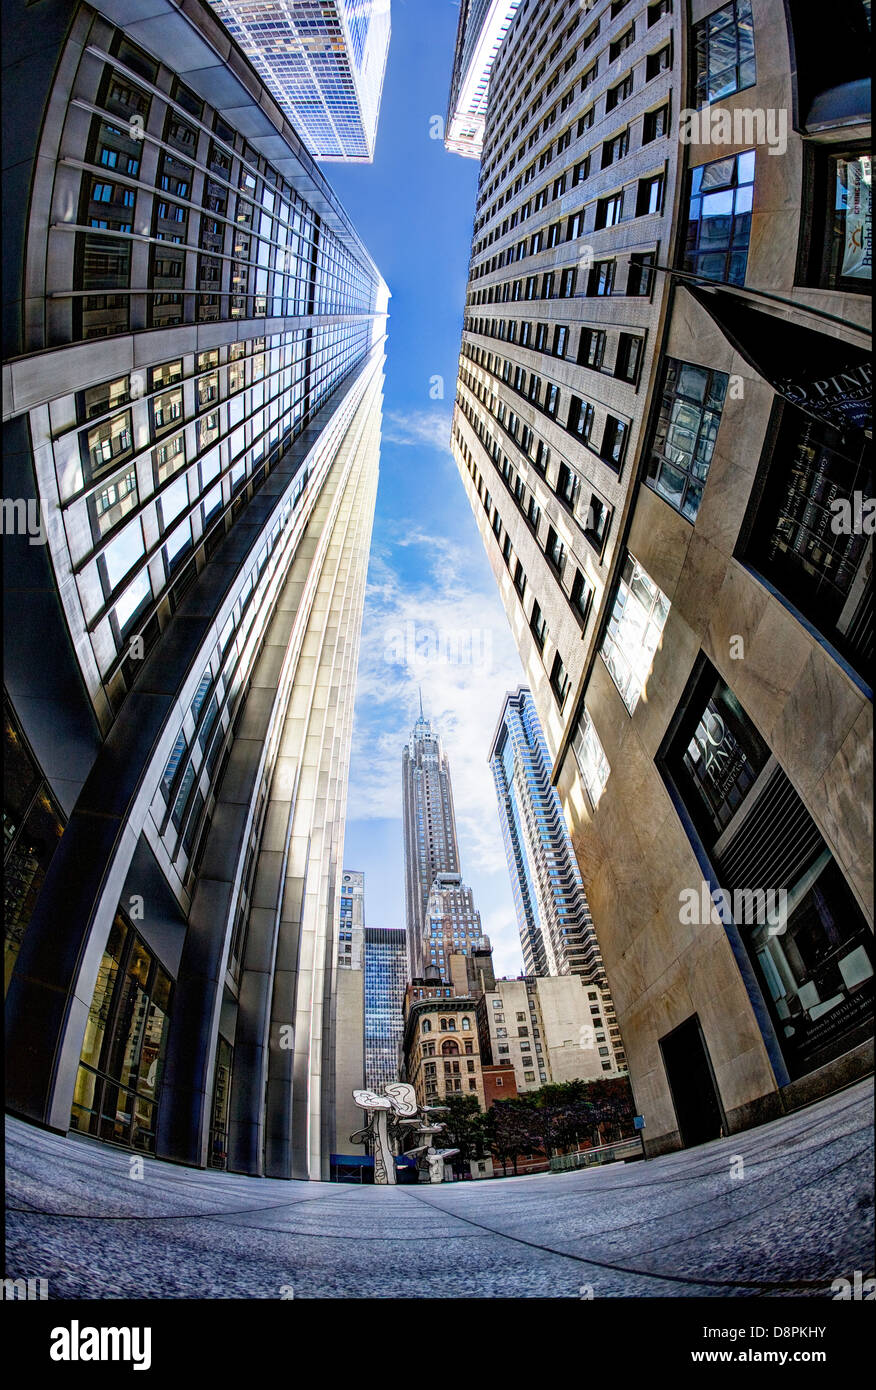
694 1093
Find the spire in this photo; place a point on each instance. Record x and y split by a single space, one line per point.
420 688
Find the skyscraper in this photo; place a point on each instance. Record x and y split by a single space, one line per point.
386 977
440 913
453 923
556 932
483 25
193 406
323 60
347 1027
429 826
644 448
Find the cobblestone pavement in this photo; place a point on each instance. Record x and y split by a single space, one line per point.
687 1224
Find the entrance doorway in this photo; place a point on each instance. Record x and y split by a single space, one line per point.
692 1083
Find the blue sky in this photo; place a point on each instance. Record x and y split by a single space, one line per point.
432 612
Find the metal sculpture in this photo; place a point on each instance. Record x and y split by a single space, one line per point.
389 1115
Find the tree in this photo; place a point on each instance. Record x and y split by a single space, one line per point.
464 1128
513 1129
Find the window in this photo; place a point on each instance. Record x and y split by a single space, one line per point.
614 441
120 556
555 551
649 197
793 533
114 501
634 629
582 595
615 148
168 458
624 41
519 579
590 757
538 626
601 282
580 418
655 124
629 357
579 174
641 273
567 485
561 340
658 62
609 211
591 348
658 10
119 1078
568 280
585 122
719 222
597 522
32 827
841 254
685 434
107 443
723 53
615 95
816 971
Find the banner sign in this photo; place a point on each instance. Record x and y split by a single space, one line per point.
826 377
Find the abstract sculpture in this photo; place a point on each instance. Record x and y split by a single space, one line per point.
388 1116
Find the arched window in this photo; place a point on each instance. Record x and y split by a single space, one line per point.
444 1025
451 1025
466 1025
450 1048
427 1027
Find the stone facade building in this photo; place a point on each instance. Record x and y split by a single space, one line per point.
659 514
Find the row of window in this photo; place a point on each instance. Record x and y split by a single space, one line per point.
655 62
254 246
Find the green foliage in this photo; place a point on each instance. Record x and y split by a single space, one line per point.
562 1114
466 1127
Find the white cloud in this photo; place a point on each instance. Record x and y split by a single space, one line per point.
418 427
450 637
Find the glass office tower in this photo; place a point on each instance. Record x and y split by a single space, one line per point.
386 977
194 344
482 27
556 931
323 60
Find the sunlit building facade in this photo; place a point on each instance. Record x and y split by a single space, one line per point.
483 25
652 299
192 404
556 931
324 62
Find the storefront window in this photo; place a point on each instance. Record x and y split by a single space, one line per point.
119 1077
806 937
849 238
